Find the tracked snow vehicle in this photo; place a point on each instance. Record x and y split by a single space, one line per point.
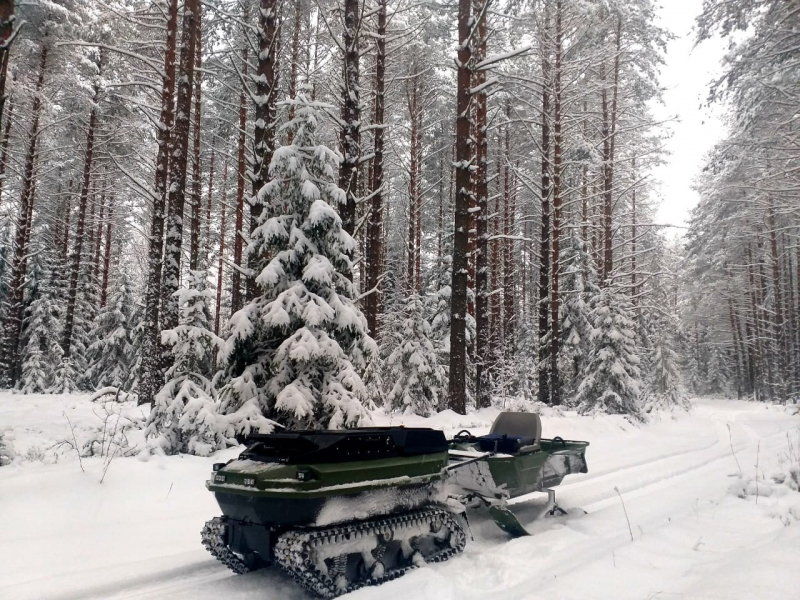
340 510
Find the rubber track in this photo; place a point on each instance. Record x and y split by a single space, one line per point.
293 549
213 535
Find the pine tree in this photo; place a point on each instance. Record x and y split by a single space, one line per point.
610 379
110 356
185 416
420 381
297 349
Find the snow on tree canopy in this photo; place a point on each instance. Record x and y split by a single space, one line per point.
297 351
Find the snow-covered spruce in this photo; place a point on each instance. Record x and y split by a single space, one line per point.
420 382
296 352
578 288
111 354
185 416
610 378
42 327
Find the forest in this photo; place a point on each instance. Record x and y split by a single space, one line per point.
250 213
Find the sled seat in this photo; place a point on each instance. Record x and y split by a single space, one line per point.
525 427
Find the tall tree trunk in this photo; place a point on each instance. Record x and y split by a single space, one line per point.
264 143
194 240
4 149
555 325
209 200
458 304
221 265
350 133
634 286
179 159
483 390
236 276
509 259
780 331
67 213
372 306
12 326
107 256
609 145
298 22
152 379
415 172
98 237
6 32
69 317
544 240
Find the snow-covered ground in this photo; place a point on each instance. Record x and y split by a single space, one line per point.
65 535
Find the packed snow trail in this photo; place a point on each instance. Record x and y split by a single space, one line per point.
65 536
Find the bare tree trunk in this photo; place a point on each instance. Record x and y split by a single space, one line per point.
69 317
179 160
458 307
414 167
509 204
350 134
194 241
264 143
67 213
780 330
236 276
152 379
221 265
483 392
634 286
609 144
372 306
4 149
12 325
555 325
107 256
98 238
544 243
209 199
298 18
6 32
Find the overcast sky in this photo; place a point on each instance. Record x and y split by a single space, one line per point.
686 76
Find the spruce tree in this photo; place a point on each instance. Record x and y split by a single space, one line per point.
420 382
110 356
610 378
297 350
185 416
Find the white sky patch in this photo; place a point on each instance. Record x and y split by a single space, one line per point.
686 78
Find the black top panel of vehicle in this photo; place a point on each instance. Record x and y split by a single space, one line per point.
309 447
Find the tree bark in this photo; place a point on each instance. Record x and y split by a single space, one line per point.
221 265
544 240
483 390
264 143
6 31
107 256
555 325
179 159
372 305
69 317
236 277
194 241
152 379
350 132
458 307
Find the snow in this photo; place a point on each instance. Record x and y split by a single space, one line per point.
698 531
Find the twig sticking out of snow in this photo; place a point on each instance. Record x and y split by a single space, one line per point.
630 531
730 439
77 449
758 453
